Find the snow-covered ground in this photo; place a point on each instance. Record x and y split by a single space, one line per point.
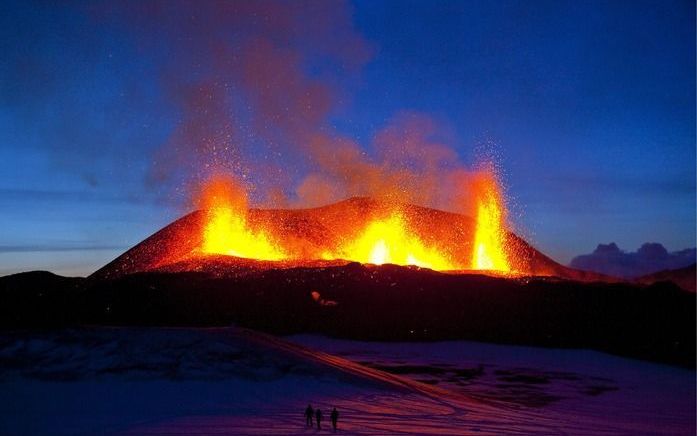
226 381
581 389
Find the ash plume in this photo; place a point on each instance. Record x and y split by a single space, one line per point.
238 74
255 85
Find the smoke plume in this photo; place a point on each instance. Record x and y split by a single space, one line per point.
255 85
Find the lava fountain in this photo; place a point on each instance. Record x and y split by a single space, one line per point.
227 230
489 248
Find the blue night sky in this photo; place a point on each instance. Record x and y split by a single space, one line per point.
588 106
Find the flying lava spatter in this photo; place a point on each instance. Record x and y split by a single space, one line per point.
381 239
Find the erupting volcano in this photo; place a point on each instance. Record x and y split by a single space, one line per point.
227 237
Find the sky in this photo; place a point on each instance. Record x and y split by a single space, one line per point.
110 113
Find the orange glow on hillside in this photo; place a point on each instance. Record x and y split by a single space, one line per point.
489 241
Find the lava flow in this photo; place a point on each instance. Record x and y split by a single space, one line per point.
391 235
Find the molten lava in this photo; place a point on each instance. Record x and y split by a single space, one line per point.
392 234
390 241
489 240
227 231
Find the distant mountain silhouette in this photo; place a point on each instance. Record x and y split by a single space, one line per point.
649 258
685 277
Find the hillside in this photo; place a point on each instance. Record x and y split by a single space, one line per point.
176 246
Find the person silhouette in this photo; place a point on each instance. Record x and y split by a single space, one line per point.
308 415
318 418
334 417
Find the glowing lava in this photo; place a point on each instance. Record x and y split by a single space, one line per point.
391 236
389 241
489 241
226 230
227 233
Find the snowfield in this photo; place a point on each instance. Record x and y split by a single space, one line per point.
159 381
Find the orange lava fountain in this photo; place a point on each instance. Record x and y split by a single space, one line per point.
489 240
226 230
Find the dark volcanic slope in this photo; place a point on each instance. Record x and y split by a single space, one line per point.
379 303
173 248
39 298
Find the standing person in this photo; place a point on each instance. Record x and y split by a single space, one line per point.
308 415
334 417
318 418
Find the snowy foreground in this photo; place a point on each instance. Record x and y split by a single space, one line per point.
154 381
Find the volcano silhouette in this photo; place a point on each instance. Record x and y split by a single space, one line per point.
176 247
